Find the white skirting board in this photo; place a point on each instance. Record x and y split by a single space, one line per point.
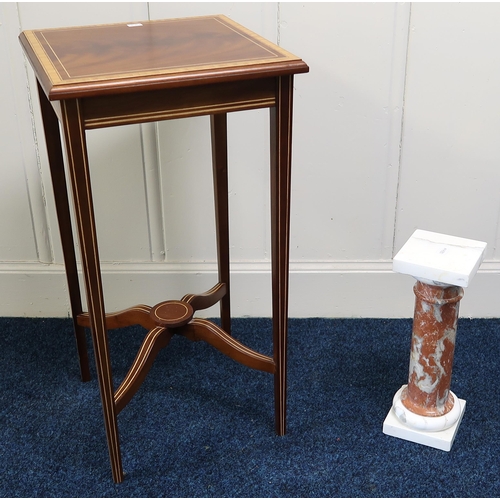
317 289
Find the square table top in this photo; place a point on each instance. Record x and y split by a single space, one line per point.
101 59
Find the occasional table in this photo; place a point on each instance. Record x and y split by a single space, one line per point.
99 76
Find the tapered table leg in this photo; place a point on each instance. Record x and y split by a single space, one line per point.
218 125
55 155
74 133
281 152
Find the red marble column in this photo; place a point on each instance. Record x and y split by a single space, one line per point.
432 349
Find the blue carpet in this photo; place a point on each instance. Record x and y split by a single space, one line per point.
203 426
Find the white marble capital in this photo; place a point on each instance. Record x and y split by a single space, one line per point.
439 259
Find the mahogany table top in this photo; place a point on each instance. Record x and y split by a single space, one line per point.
114 58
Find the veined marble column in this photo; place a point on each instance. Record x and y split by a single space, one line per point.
431 360
425 410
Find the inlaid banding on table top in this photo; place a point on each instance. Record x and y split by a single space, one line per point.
150 48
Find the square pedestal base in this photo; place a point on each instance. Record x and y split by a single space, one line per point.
442 440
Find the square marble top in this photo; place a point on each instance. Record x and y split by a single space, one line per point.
440 259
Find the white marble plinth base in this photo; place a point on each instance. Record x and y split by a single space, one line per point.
442 440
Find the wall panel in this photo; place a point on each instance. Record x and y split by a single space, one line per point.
348 121
187 142
23 222
451 150
115 153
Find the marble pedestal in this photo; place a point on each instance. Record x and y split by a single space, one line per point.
425 411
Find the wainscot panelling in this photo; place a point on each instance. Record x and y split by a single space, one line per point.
395 128
23 222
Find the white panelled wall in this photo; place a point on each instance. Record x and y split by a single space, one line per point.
396 127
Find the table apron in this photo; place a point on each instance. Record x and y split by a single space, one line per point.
165 104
